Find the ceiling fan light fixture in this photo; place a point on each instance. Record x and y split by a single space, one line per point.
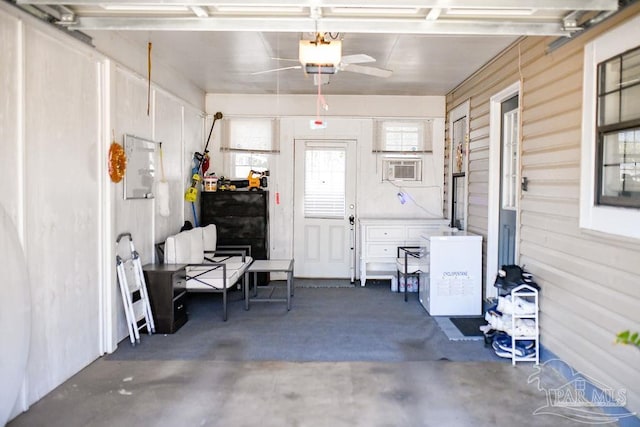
320 54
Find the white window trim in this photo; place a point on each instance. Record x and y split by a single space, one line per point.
607 219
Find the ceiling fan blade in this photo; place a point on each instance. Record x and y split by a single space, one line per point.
359 58
273 70
370 71
275 58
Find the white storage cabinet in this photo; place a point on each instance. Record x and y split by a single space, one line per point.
380 238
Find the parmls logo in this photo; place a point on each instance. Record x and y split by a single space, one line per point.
581 398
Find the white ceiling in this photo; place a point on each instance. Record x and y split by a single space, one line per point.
430 45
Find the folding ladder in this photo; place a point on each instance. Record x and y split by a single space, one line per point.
134 291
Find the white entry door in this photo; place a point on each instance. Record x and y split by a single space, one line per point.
325 190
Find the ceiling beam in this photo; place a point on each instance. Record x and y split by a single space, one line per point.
381 26
444 4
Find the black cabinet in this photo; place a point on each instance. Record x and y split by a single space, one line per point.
166 286
241 218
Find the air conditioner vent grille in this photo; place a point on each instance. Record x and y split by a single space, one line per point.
402 169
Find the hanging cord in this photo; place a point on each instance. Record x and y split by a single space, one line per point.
404 192
520 114
149 78
318 121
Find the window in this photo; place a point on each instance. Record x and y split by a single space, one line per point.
602 144
325 182
402 142
618 131
403 136
243 163
249 143
510 160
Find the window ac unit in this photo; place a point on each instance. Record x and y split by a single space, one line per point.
402 170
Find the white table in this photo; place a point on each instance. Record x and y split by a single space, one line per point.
268 266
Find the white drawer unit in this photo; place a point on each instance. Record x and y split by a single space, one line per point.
379 232
380 238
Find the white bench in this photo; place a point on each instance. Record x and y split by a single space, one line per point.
209 268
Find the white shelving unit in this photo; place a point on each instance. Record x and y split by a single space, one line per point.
380 238
529 294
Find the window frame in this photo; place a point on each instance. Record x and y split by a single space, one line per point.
603 130
612 220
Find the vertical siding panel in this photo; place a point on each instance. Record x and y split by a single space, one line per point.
590 281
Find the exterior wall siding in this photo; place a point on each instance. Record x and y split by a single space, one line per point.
590 281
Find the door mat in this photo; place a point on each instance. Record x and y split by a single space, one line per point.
470 325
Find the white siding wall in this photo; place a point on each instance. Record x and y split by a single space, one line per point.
179 127
589 281
61 101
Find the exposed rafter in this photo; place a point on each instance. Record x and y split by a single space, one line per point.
324 25
440 17
471 4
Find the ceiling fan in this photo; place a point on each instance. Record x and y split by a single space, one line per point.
320 56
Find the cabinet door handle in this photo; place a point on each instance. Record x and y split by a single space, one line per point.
180 307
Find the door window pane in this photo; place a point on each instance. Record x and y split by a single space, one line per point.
510 160
457 205
324 182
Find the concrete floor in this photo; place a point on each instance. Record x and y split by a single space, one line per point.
310 394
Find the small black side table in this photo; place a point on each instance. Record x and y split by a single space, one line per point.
166 286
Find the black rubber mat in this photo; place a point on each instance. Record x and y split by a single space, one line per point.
469 326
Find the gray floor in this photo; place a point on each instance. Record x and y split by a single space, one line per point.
340 357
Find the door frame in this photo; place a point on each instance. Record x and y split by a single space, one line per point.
350 142
493 226
462 110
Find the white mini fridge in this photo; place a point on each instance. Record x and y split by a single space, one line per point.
453 284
